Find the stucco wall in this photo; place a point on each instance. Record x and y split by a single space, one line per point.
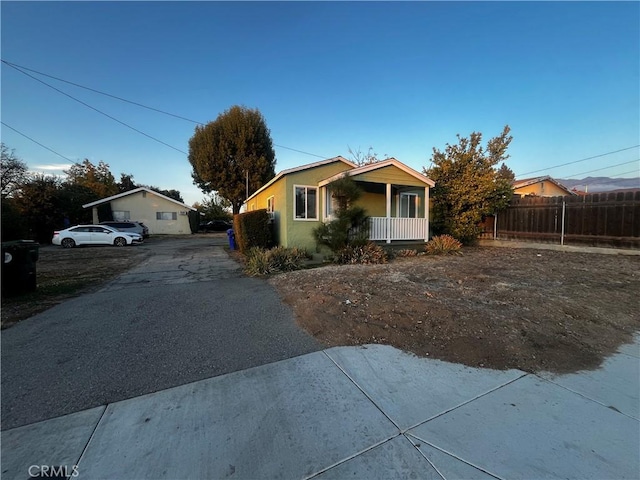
542 189
143 207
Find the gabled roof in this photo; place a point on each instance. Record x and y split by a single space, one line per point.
525 182
299 169
378 165
131 192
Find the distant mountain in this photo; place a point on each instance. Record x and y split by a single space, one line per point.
600 184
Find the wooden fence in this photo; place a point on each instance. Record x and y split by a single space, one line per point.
600 219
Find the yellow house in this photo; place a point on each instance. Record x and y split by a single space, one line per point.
395 197
161 214
540 187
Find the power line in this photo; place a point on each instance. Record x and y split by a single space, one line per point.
35 141
578 161
164 112
605 168
99 111
101 93
624 173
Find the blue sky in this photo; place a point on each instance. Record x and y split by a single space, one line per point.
399 77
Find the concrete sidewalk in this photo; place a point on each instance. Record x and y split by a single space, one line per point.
354 412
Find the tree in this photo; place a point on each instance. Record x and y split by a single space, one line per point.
468 185
38 202
126 183
214 208
231 152
98 178
360 158
350 227
13 171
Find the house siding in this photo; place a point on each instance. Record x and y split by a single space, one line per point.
290 232
144 208
389 174
542 189
299 233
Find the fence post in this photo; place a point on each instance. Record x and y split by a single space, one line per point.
495 226
564 205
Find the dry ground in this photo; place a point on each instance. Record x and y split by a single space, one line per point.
489 307
65 273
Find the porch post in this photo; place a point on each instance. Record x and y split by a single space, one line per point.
388 220
426 212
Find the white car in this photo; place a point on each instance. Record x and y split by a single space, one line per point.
94 235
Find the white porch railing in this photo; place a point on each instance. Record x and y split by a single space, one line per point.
392 228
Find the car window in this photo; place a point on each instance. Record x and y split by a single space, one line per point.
80 229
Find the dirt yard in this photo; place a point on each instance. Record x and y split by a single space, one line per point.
64 273
489 307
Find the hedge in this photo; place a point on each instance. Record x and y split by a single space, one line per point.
252 229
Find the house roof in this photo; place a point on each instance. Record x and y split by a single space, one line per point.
378 165
131 192
525 182
299 169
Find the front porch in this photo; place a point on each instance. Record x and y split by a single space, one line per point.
389 229
395 197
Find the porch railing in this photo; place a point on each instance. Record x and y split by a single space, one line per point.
383 228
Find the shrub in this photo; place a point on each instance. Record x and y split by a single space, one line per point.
279 259
443 245
350 226
252 229
361 254
406 252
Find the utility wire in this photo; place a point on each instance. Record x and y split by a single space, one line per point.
578 161
605 168
625 173
164 112
99 111
14 65
35 141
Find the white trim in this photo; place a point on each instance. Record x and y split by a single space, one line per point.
299 169
378 165
272 198
131 192
307 187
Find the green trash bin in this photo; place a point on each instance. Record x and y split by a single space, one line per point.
19 266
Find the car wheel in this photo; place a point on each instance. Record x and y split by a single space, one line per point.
68 243
120 242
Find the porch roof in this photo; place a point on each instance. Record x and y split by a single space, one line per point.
378 165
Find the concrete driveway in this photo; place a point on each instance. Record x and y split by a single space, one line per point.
185 314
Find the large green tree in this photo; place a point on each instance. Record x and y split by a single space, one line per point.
232 151
97 178
469 184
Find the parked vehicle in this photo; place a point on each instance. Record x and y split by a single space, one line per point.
215 226
128 226
94 235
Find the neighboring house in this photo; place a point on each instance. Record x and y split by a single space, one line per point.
540 187
396 198
163 215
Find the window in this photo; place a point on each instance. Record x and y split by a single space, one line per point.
271 204
330 203
121 215
166 215
306 199
408 205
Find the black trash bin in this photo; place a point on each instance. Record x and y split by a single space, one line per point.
232 239
19 266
